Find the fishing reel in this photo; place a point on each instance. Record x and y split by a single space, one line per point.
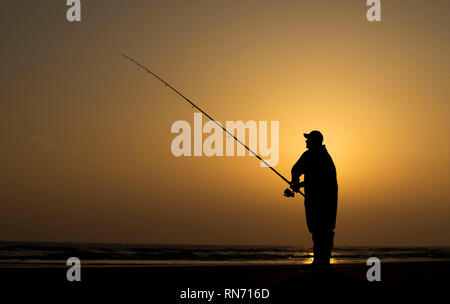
295 187
288 193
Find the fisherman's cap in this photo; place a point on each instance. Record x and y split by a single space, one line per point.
314 136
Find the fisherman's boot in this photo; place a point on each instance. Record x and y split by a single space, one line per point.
318 259
322 251
327 246
330 244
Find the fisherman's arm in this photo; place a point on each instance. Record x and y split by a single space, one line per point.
296 172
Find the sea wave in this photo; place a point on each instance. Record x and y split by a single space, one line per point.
54 253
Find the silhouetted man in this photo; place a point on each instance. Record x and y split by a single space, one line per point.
321 190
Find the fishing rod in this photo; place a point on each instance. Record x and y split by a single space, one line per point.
210 118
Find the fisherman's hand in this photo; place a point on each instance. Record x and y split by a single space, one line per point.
295 186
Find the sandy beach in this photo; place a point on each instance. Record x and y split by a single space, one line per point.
280 281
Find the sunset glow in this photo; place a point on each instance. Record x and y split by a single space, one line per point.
378 92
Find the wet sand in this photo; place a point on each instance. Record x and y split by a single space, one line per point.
283 282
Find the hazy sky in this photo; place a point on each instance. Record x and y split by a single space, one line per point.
85 135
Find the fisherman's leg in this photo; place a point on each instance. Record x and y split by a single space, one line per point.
316 237
330 243
326 246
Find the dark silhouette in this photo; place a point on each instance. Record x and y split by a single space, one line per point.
321 195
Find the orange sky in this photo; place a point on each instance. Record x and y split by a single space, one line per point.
379 92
